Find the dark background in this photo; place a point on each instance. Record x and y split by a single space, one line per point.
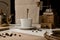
55 5
13 11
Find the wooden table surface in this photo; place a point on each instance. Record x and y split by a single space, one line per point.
4 28
19 36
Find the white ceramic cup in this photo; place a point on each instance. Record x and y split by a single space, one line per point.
26 22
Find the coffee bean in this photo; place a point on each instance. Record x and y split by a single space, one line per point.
19 35
39 30
6 34
14 34
32 30
3 36
36 30
11 34
2 33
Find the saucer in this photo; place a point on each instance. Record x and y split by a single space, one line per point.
26 28
20 27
